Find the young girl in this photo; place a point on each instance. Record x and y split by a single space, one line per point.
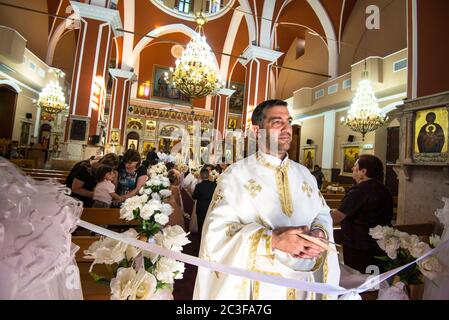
104 192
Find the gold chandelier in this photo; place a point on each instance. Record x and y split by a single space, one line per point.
364 115
196 74
52 99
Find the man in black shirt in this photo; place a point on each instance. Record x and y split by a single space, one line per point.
366 205
203 193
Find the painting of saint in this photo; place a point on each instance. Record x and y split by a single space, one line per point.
350 156
309 158
163 88
431 131
236 100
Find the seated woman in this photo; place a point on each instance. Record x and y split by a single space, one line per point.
366 205
131 174
82 180
177 217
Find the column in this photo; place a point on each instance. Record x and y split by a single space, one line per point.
98 26
258 65
118 113
221 111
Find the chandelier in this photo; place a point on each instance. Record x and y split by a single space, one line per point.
196 74
364 115
52 99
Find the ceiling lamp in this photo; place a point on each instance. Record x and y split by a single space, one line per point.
52 99
364 115
196 74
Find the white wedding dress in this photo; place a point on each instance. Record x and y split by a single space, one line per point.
36 251
440 291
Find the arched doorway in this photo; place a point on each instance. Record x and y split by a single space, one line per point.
132 141
8 102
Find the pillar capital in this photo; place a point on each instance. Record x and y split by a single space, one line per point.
99 13
226 92
254 52
120 73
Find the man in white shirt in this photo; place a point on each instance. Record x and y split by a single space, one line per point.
259 208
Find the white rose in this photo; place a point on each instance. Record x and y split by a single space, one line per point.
430 267
166 209
143 286
434 240
419 249
172 237
147 211
392 244
126 213
376 233
121 286
143 199
155 196
167 269
148 191
161 218
165 193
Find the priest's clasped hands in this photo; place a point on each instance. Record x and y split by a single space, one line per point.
287 240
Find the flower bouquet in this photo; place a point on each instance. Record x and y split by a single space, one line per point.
402 248
157 170
214 175
137 274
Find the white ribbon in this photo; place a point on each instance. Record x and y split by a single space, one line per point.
348 294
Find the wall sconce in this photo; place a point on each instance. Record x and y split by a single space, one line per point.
144 89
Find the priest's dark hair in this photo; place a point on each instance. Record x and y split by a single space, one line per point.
259 113
373 166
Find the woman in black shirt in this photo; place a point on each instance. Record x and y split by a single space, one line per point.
366 205
82 181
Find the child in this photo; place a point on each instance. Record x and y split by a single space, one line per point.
104 192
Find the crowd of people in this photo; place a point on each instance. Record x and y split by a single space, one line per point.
106 182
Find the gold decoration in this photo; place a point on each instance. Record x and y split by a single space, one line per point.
52 99
307 189
364 115
196 74
233 228
253 187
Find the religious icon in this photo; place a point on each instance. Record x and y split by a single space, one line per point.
163 88
350 156
236 100
431 131
309 158
232 124
147 146
115 137
132 144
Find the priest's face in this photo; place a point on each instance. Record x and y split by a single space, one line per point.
278 125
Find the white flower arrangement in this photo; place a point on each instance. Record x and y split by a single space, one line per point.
402 248
158 169
138 275
214 175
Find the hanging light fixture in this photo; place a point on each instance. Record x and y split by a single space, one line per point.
52 99
196 75
364 115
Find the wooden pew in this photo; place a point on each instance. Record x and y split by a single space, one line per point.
333 203
97 216
329 196
51 171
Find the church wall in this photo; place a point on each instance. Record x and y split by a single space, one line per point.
391 37
32 26
313 129
433 47
422 195
315 58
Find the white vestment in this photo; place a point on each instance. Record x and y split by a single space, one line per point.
253 197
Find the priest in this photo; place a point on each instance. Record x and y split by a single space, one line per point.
260 208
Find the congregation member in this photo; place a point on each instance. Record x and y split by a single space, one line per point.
104 192
203 194
177 216
366 205
82 178
131 174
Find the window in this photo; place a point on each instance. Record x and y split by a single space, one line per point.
213 6
32 66
319 94
346 84
400 65
332 89
184 6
